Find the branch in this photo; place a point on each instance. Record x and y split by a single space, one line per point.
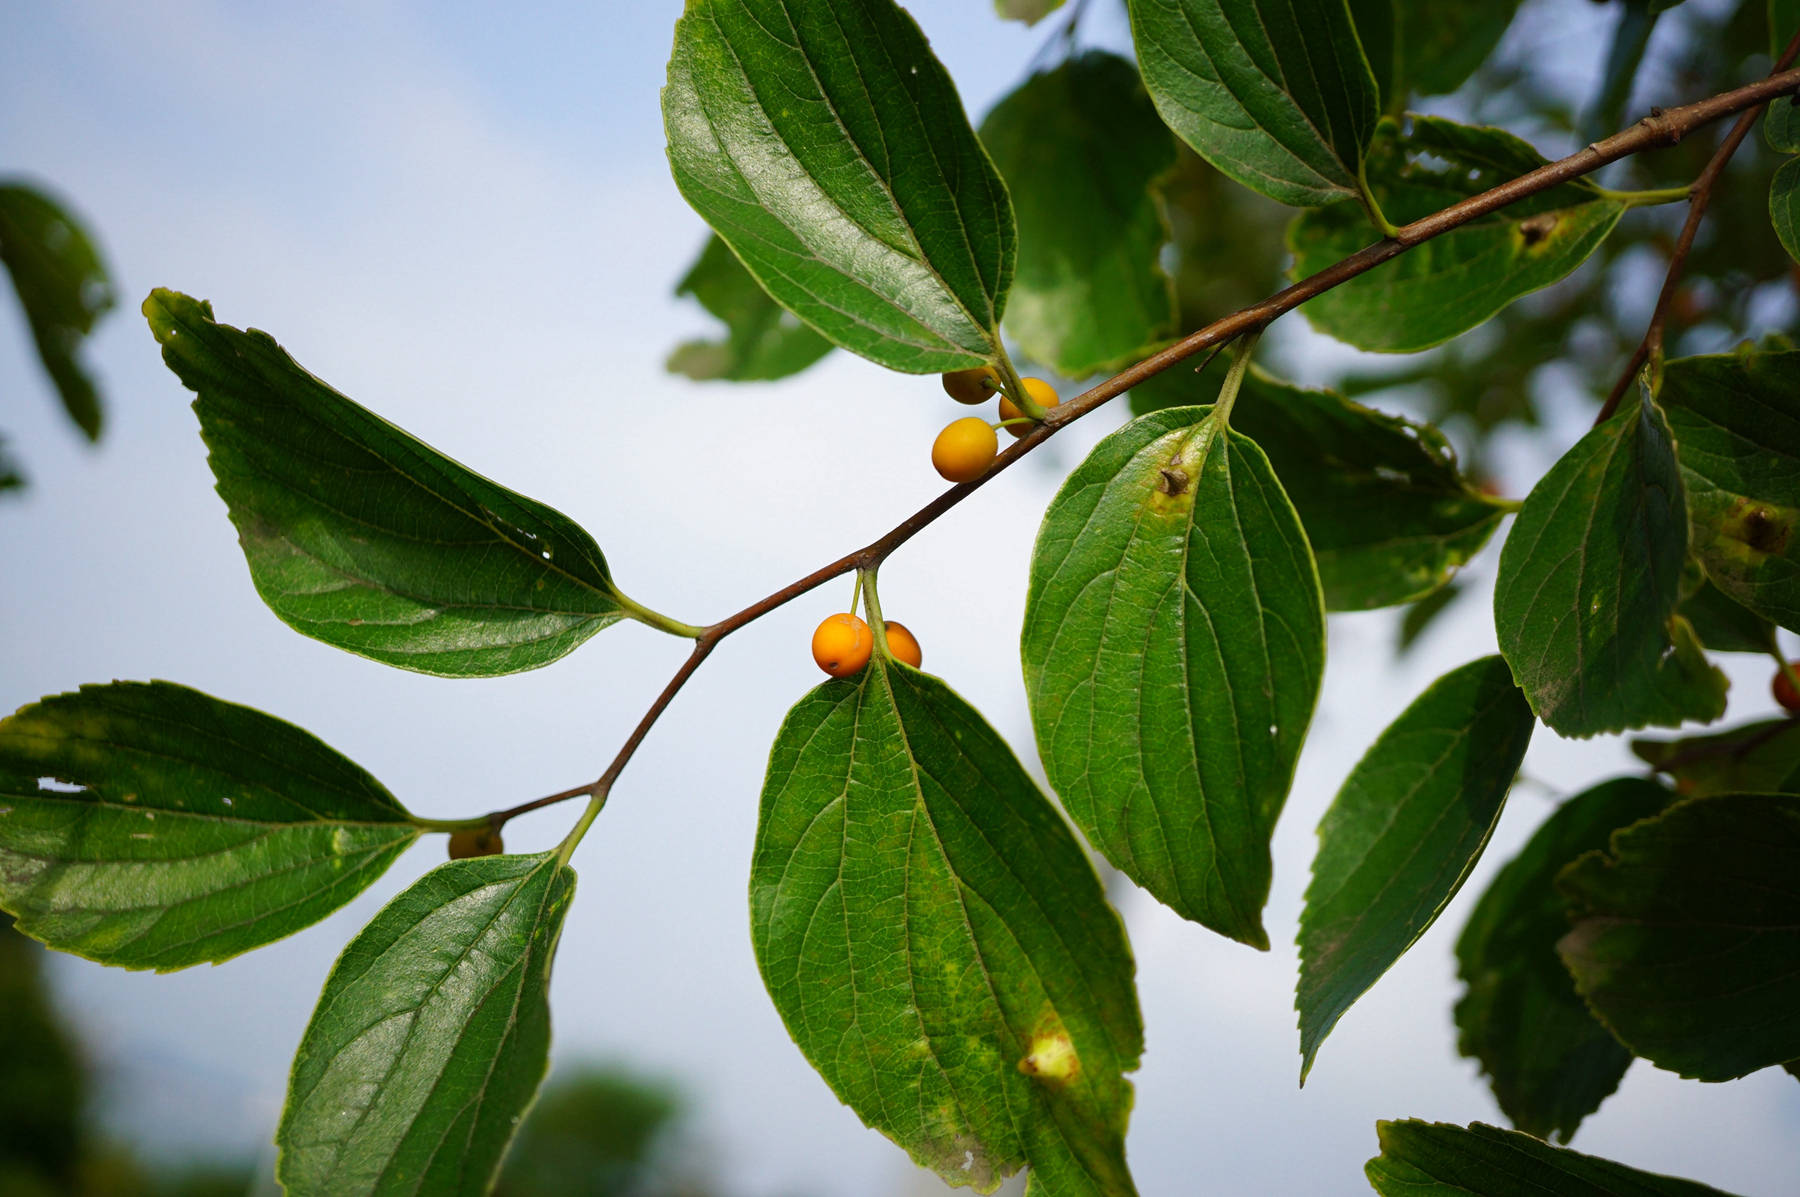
1661 128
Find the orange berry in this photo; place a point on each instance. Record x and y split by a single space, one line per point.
903 645
1784 691
965 449
1042 394
483 841
973 385
841 644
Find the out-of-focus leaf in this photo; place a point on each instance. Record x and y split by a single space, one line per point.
1757 758
1686 937
363 537
147 825
1378 29
11 476
1724 625
1277 95
938 944
1736 422
1784 22
1420 615
1442 44
1228 245
1173 644
1028 11
1402 835
1081 148
1781 126
763 340
1549 1063
63 287
431 1036
827 145
1450 284
1436 1159
1584 605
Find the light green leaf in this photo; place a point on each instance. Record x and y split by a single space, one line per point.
1736 422
1686 937
1757 758
431 1035
1028 11
1550 1064
938 944
1173 643
1402 835
147 825
1442 44
763 340
1589 578
1081 148
1452 283
824 142
62 285
1435 1159
1276 95
365 538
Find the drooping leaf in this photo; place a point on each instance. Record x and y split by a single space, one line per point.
1442 44
763 340
431 1036
1278 95
1081 149
1402 835
938 944
147 825
1173 643
1736 422
1436 1159
62 285
1549 1063
1757 758
1686 940
1388 516
1448 285
363 537
1724 625
1589 578
1028 11
826 144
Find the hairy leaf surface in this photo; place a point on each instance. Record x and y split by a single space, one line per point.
1402 835
1436 1159
147 825
763 340
1173 643
938 944
64 288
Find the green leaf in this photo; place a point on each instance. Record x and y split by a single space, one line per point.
1277 95
1028 11
1378 29
1736 422
763 340
365 538
1402 835
1548 1061
1589 578
63 287
1686 940
1422 614
1784 22
1781 126
11 477
147 825
823 141
431 1035
1784 206
1757 758
1388 516
1444 287
1081 148
1724 625
1444 43
1436 1159
938 944
1173 643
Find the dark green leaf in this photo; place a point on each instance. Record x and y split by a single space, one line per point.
1736 422
1081 147
1378 29
1442 44
763 340
938 944
148 825
1388 515
1277 95
1402 835
828 147
1422 614
1784 23
1757 758
431 1035
365 538
1781 125
1726 626
1173 643
1448 285
11 477
1686 940
1589 578
1028 11
63 287
1436 1159
1549 1062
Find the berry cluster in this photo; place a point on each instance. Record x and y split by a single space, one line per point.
966 448
842 643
